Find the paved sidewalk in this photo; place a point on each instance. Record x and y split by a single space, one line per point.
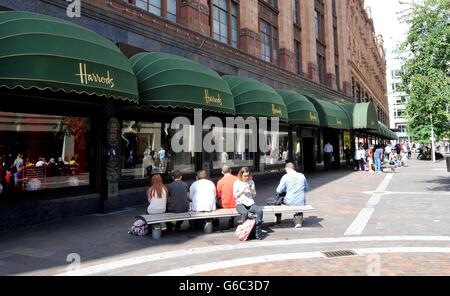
338 196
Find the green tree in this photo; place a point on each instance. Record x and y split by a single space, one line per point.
427 69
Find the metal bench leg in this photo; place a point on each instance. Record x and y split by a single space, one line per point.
208 228
298 220
277 218
231 222
156 231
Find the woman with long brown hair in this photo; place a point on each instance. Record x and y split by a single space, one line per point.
244 192
157 196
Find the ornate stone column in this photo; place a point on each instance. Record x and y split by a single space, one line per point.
286 35
330 78
343 21
195 14
250 39
309 49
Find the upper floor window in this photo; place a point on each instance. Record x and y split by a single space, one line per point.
401 128
165 8
269 42
319 20
400 113
225 21
338 77
335 39
396 86
321 67
401 100
172 10
271 2
397 73
296 12
298 57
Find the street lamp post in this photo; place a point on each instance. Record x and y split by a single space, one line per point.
433 155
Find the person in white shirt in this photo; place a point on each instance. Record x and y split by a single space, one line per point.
360 157
387 151
202 194
41 162
328 154
157 196
285 155
244 192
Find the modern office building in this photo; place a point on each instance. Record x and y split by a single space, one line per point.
397 98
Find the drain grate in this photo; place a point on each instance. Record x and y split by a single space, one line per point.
341 253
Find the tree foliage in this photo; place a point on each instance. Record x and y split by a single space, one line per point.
427 69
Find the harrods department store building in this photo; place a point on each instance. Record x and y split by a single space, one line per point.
87 102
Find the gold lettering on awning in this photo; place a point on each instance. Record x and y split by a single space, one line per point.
212 99
312 116
338 121
276 110
87 78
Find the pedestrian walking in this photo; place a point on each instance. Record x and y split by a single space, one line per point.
328 155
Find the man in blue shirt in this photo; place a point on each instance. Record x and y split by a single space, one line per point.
162 158
294 184
378 155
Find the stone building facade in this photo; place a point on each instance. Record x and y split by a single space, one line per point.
324 47
325 44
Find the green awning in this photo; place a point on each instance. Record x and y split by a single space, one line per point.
330 114
300 109
363 115
166 80
253 98
385 132
43 52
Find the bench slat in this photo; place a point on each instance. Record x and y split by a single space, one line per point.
288 209
220 213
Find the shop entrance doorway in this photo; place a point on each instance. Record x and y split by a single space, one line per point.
308 155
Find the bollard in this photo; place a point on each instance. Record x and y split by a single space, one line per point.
208 228
298 220
277 218
231 222
156 231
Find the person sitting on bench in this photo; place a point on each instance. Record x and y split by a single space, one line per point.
225 198
157 196
244 192
202 195
178 198
294 184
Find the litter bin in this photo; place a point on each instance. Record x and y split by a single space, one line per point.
447 160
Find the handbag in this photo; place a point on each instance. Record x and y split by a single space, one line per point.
276 200
139 228
243 231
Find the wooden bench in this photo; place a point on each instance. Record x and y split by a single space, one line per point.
155 220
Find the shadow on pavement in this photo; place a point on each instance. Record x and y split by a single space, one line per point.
443 184
96 237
